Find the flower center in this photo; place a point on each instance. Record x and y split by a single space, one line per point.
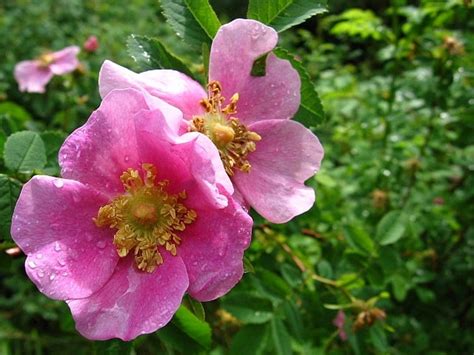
232 138
146 217
46 59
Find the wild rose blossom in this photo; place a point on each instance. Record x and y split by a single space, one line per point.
141 216
91 44
34 75
267 155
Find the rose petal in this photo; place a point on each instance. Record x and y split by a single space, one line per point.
189 162
172 86
68 256
65 60
100 151
132 302
234 49
212 249
287 155
31 77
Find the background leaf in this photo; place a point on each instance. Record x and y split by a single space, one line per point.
283 14
248 308
24 152
391 227
193 20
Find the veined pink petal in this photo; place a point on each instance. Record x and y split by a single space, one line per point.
287 155
212 249
53 225
191 160
65 60
234 49
31 77
100 151
132 302
172 86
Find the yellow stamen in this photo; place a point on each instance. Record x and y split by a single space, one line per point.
46 59
232 138
146 217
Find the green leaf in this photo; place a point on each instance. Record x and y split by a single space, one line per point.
113 347
283 14
3 139
173 337
391 227
401 286
281 338
378 338
249 340
259 66
311 112
193 20
358 239
249 308
196 307
150 53
16 112
52 142
248 267
24 152
9 192
195 328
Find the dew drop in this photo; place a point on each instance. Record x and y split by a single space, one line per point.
126 158
65 274
52 276
57 247
31 264
61 262
89 237
101 244
58 183
40 273
39 256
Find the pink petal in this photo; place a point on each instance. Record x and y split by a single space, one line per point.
100 151
212 249
31 77
65 60
287 155
174 87
189 162
234 49
68 256
132 302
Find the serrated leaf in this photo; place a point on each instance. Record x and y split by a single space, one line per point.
249 340
198 330
193 20
9 192
311 112
24 152
150 53
281 338
283 14
52 142
249 308
391 227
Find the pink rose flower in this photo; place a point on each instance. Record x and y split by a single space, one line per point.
267 155
34 75
339 322
140 216
91 44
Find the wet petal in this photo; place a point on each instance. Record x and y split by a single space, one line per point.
235 48
172 86
68 256
287 155
132 302
213 248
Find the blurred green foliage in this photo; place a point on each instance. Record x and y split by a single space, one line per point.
390 240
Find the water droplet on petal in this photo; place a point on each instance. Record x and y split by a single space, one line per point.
61 262
31 264
101 244
57 247
89 237
52 276
40 273
58 183
39 256
126 158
